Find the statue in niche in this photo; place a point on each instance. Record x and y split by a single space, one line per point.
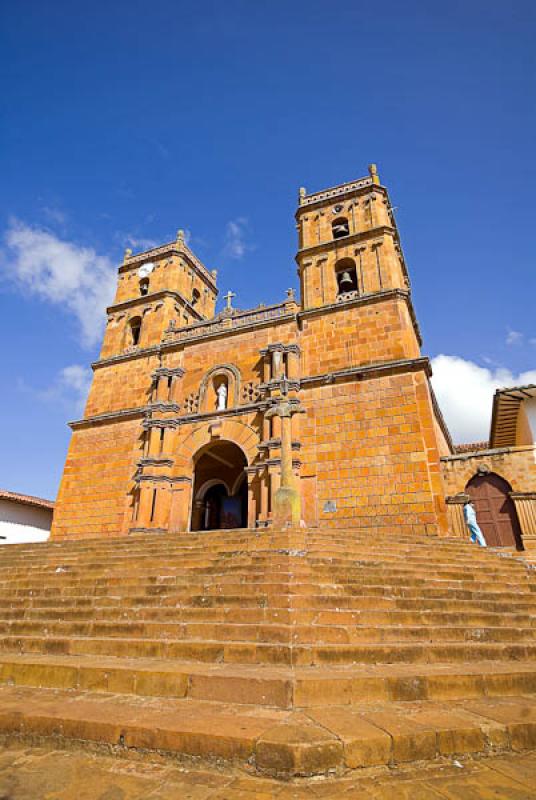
221 393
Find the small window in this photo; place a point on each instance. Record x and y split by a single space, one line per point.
169 386
196 296
144 287
340 227
135 330
162 434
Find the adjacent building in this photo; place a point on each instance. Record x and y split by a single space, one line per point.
24 518
499 475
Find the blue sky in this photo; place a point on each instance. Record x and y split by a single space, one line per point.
122 122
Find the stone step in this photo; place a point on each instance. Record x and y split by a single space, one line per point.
247 652
366 616
179 562
279 742
295 581
268 633
179 559
278 687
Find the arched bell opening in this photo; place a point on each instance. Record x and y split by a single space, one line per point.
220 488
495 510
346 274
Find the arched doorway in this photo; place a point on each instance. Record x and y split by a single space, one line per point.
495 510
220 487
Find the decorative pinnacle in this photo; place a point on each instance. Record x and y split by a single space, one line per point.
373 172
290 296
180 235
128 253
301 194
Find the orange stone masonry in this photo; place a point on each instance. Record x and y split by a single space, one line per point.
332 385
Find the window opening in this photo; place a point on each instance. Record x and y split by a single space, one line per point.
340 227
135 330
346 275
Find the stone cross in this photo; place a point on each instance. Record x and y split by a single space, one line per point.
228 299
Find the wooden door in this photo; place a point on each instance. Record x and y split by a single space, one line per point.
495 510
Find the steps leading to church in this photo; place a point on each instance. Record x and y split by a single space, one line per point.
324 636
277 742
275 686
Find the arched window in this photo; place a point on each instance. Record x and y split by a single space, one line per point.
196 296
346 275
340 227
135 330
144 286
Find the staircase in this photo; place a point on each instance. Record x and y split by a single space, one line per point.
294 653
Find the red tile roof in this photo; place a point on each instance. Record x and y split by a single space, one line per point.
26 499
471 447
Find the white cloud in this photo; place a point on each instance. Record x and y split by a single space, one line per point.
61 273
71 387
55 215
138 243
514 337
235 238
465 394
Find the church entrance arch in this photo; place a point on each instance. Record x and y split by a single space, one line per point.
220 487
495 510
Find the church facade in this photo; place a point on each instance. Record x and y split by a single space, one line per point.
315 411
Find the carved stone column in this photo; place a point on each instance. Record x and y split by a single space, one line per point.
264 496
287 501
162 388
293 356
154 442
180 504
252 499
145 505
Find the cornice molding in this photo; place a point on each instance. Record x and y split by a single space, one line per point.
178 247
141 352
404 365
111 416
352 238
168 372
351 189
151 298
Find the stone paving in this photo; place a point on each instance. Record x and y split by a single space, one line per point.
44 774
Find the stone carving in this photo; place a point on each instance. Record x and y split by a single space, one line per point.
191 404
250 392
221 393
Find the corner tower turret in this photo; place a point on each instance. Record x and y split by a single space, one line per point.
348 243
158 287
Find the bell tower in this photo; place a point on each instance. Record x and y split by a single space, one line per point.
158 288
348 243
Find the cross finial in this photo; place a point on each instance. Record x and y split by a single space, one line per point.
228 299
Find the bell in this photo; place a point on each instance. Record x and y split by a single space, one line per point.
346 282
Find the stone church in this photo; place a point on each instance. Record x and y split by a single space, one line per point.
315 411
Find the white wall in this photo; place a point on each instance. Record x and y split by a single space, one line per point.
20 523
530 408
